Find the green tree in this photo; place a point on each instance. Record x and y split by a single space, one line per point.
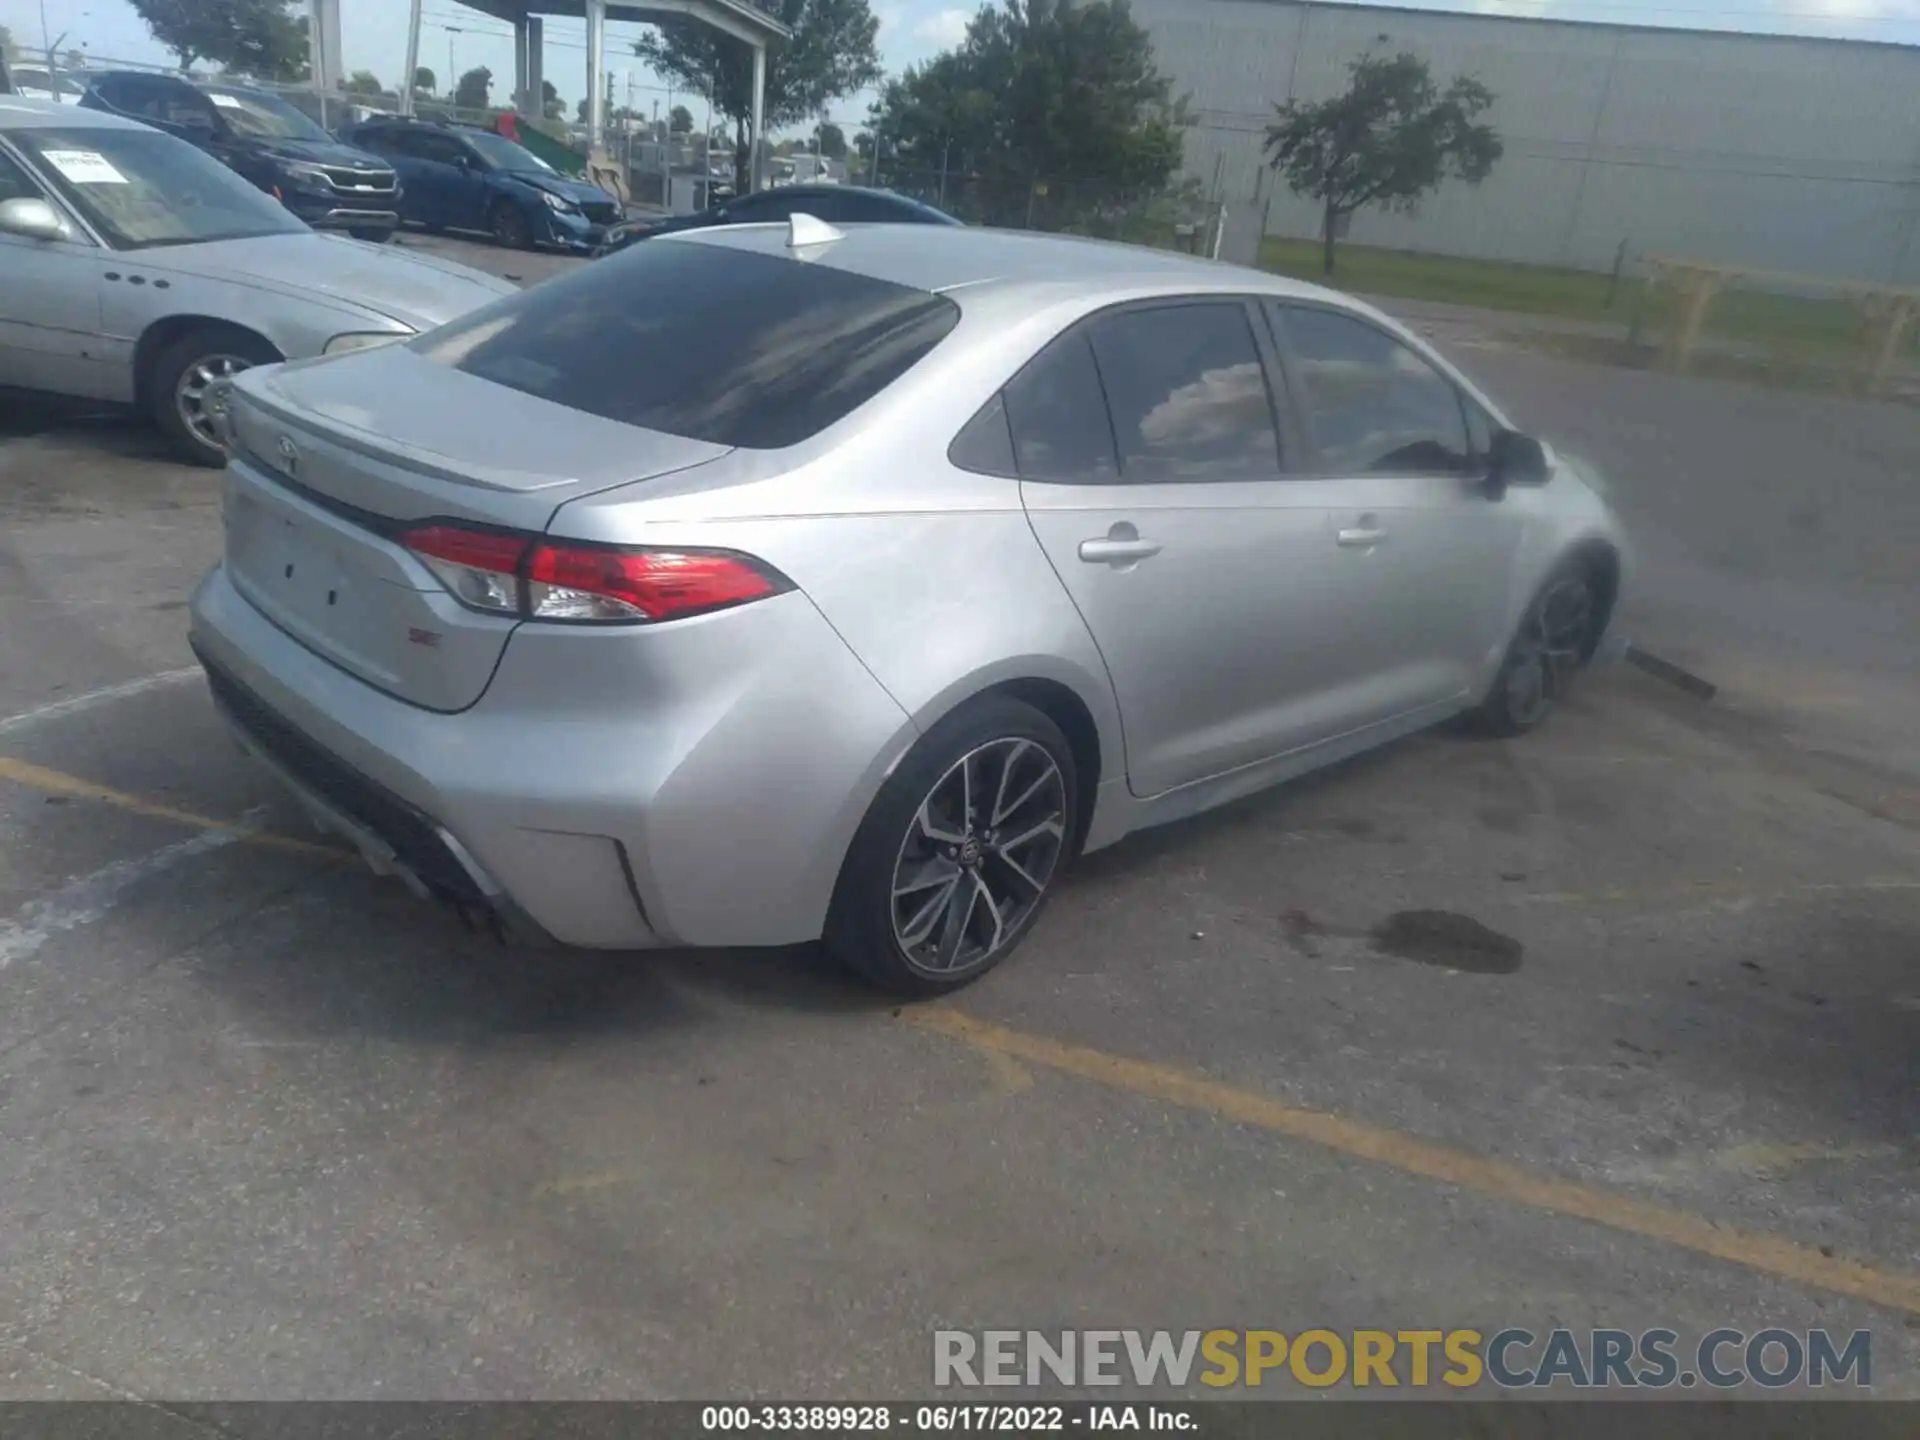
362 82
551 104
832 140
831 54
680 120
8 50
474 90
425 80
247 37
1060 94
1392 138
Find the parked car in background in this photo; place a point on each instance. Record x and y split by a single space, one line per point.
457 177
32 82
135 268
835 204
777 583
260 136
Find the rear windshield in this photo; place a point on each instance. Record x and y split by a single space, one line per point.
701 341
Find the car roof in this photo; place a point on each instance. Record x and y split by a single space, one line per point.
943 258
17 112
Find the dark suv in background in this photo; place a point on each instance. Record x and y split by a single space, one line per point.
329 185
457 177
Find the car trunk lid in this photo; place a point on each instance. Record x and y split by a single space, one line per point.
333 468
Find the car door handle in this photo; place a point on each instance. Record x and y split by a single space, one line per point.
1111 550
1361 537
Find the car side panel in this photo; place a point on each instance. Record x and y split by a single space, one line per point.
939 605
135 302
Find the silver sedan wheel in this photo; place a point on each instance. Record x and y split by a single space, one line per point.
979 856
200 397
1552 646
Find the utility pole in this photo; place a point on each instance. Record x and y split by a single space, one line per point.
453 75
413 59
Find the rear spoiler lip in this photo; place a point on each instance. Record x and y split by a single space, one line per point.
263 394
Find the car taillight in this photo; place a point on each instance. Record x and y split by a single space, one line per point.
508 574
569 582
480 567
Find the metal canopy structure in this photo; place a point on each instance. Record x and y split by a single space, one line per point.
743 21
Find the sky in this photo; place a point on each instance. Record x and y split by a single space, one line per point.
374 34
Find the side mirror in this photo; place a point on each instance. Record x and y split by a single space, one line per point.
1514 459
34 219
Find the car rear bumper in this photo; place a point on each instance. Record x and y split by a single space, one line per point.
578 800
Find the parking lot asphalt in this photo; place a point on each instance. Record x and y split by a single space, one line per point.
1612 1026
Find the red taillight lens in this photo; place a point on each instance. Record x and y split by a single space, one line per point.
480 567
568 582
508 574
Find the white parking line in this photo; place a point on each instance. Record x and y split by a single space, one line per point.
74 704
83 900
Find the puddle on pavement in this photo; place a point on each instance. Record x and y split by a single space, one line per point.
1448 940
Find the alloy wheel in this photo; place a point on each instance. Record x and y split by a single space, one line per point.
978 856
1551 647
201 398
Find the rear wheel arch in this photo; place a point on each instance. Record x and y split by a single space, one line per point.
1095 745
1060 704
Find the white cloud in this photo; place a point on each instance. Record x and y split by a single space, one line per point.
944 28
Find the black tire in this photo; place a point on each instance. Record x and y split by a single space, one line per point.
510 227
1554 642
218 348
372 236
869 916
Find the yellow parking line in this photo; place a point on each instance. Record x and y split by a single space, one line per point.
1495 1178
55 782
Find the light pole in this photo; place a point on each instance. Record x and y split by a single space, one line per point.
453 74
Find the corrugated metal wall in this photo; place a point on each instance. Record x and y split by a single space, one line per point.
1782 154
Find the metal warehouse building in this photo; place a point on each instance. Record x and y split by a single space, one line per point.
1769 152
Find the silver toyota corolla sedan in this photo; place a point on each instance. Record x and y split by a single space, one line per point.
772 583
136 269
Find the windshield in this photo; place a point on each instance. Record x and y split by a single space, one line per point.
141 188
503 154
265 117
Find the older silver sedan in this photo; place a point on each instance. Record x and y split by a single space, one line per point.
136 269
768 583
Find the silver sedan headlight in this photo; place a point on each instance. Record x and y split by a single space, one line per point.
342 344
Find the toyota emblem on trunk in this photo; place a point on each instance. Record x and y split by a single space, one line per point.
289 456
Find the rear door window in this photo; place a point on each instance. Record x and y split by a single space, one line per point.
1058 415
1187 393
702 341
